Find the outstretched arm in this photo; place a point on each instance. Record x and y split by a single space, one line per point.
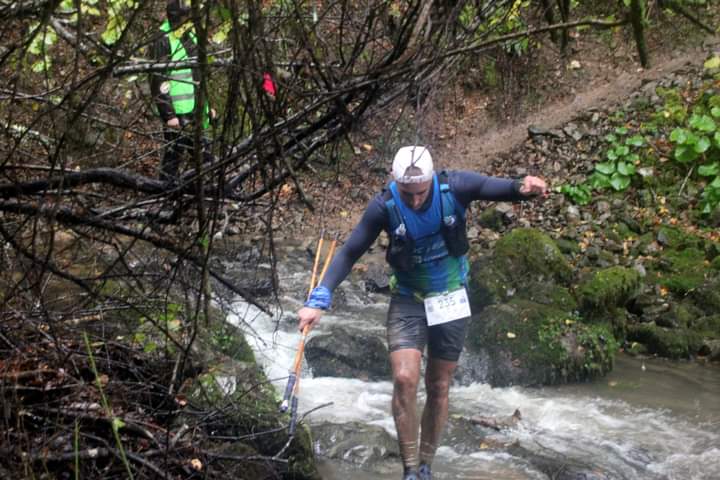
469 186
361 238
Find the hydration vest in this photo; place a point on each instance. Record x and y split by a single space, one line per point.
182 85
445 217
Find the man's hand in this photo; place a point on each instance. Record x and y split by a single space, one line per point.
309 317
532 186
173 122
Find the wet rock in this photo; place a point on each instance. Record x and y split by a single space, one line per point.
673 343
710 349
376 279
358 443
348 353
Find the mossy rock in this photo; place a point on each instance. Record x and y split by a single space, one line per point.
608 289
227 339
619 232
715 264
673 343
568 247
679 271
491 218
677 239
707 296
527 343
708 327
526 255
522 261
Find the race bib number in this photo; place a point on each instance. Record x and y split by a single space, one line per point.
447 307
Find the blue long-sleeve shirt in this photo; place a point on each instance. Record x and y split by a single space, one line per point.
465 186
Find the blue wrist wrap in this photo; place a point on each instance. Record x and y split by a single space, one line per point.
320 297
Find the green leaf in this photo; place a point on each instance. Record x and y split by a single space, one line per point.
611 155
611 138
621 130
679 136
685 154
715 112
704 123
633 158
626 168
712 62
114 29
709 170
599 181
702 145
635 141
619 182
605 167
716 137
40 66
622 150
715 183
117 424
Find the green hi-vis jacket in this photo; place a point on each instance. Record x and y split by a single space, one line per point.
182 85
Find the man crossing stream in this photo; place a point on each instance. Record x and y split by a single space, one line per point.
423 213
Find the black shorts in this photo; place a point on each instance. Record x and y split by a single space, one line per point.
407 328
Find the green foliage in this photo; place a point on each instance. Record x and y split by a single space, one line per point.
697 146
693 128
156 328
580 194
44 38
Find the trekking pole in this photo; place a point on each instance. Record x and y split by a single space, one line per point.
301 350
292 377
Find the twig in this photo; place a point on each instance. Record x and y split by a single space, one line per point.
682 187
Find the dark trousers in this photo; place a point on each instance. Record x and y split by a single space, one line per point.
179 148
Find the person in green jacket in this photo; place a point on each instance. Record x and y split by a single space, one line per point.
174 90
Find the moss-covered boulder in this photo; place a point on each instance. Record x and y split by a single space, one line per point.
605 294
526 255
673 343
527 343
521 261
680 271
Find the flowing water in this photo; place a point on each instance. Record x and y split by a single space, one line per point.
648 419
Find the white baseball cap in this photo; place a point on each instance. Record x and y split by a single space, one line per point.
412 156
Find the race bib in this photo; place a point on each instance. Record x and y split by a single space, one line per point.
447 307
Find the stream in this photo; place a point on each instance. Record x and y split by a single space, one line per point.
648 419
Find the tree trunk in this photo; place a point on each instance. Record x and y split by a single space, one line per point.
565 14
637 19
547 7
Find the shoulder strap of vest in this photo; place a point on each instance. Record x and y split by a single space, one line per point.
392 208
448 200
